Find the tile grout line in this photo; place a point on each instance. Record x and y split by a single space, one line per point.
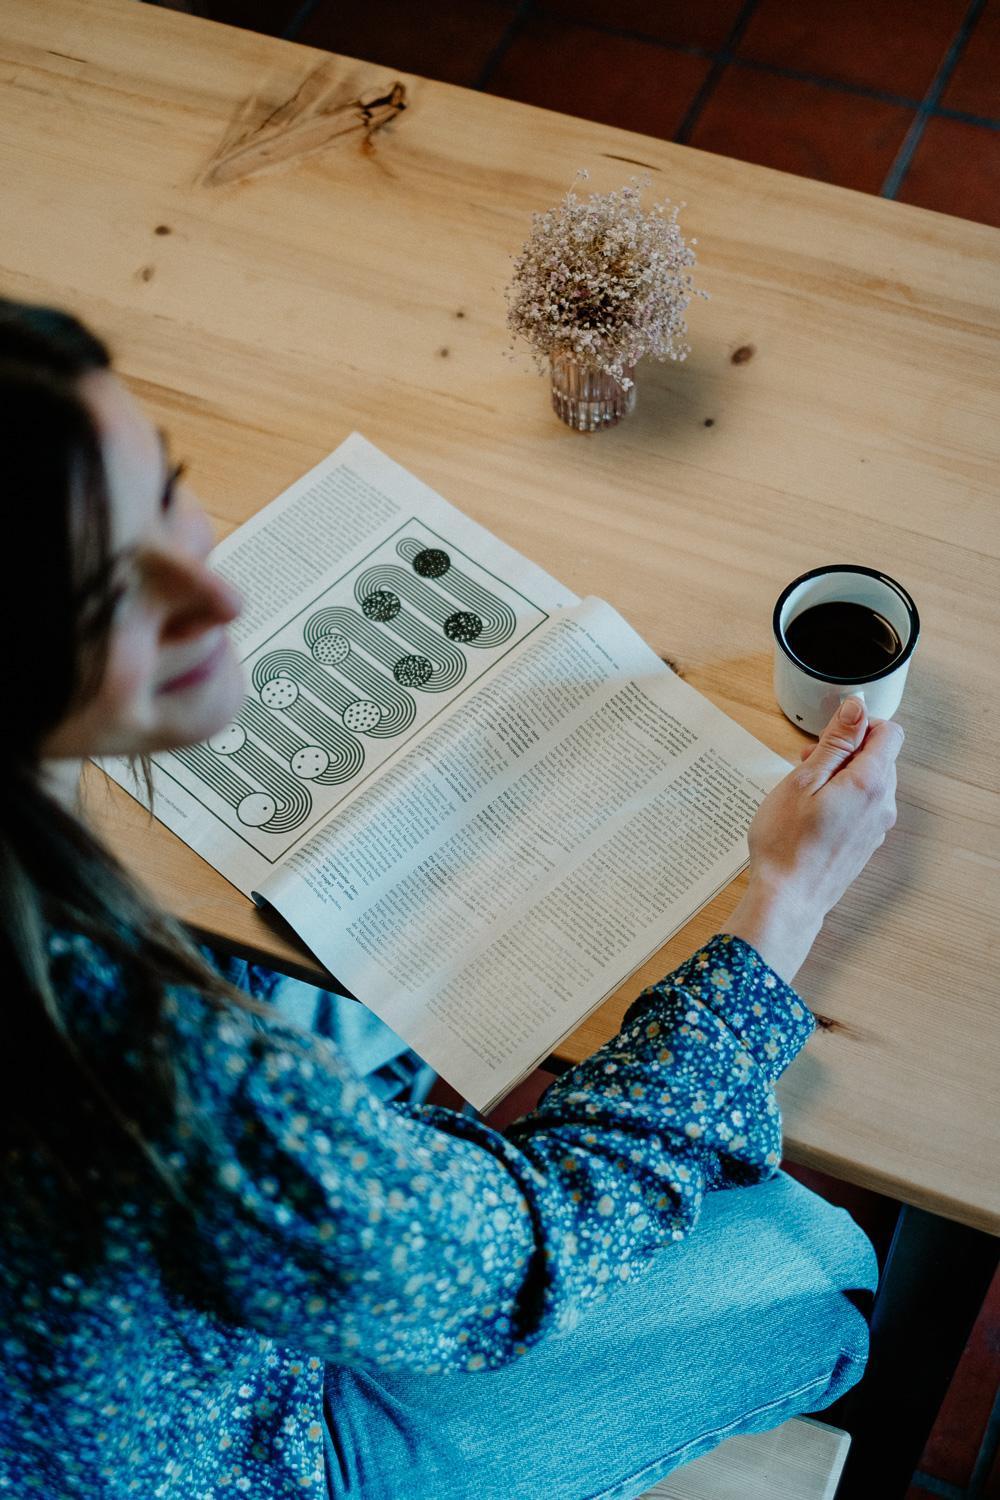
502 47
709 84
725 55
942 112
798 75
904 156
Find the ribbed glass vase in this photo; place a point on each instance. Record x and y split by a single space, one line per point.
587 398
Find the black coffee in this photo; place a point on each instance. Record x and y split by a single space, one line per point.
843 640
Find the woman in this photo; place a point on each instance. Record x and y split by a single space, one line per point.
228 1267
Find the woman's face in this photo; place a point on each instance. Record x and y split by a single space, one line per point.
172 677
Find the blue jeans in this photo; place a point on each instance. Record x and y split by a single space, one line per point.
735 1329
390 1069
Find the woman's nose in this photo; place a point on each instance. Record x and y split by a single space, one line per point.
197 597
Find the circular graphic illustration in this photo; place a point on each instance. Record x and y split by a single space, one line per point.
413 671
431 562
279 692
362 715
228 740
310 761
381 605
256 809
462 626
331 649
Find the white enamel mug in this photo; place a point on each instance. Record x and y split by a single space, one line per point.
806 696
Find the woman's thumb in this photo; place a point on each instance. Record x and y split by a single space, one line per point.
838 742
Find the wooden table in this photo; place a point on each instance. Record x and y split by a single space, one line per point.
848 365
344 268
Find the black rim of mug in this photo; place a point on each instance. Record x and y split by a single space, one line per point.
891 583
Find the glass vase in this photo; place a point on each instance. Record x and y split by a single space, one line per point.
588 398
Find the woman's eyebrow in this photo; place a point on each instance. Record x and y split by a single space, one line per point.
161 433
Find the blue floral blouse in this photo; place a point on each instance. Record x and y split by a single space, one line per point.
185 1358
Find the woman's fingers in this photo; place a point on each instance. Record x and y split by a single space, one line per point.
873 768
841 738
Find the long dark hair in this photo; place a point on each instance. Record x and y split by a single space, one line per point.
59 1108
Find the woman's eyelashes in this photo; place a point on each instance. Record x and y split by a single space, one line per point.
128 575
170 487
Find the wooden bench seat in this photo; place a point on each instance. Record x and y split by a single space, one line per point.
800 1460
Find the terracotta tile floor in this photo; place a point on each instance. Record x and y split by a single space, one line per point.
802 127
897 97
889 46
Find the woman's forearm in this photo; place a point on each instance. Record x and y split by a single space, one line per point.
780 927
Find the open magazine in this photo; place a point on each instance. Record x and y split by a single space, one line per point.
480 801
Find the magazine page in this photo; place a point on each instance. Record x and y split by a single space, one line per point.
536 847
370 606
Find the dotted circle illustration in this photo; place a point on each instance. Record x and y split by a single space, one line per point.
310 761
462 626
381 605
331 650
256 809
279 692
431 562
228 740
413 671
361 715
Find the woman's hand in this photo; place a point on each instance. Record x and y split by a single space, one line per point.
814 834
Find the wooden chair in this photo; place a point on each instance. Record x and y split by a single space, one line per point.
800 1460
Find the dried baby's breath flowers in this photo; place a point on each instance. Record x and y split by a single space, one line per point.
601 279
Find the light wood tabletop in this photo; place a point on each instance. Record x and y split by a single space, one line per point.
271 278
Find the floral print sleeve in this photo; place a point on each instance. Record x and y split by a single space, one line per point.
422 1239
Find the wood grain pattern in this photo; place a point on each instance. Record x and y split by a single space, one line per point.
840 404
325 107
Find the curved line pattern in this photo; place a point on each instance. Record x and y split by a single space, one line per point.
410 547
302 669
295 801
338 621
347 754
405 583
266 726
499 620
448 663
214 771
398 709
402 708
434 646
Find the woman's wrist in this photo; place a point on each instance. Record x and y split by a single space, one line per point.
782 927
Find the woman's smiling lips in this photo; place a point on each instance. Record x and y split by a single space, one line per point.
199 673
